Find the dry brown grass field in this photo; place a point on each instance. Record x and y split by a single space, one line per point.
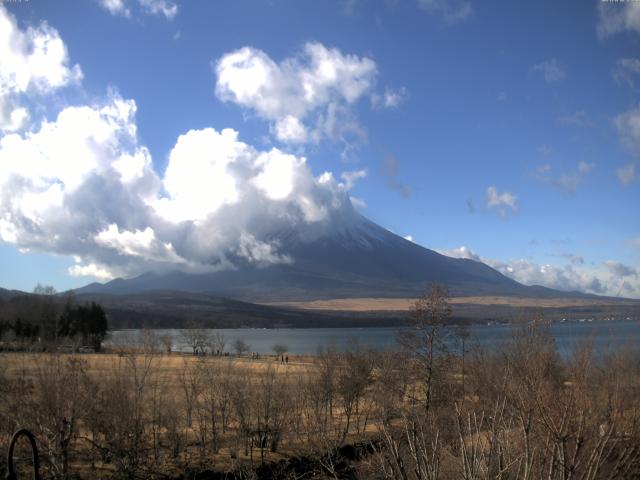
404 304
101 363
168 367
178 398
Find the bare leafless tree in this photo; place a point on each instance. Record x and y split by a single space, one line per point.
63 394
279 349
195 338
166 341
217 343
190 379
240 347
119 419
354 377
424 339
149 341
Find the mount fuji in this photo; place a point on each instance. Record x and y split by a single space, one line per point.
344 256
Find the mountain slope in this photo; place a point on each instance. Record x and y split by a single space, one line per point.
171 309
345 256
7 294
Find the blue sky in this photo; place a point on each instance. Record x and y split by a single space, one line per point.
502 131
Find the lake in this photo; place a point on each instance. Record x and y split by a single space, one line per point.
605 335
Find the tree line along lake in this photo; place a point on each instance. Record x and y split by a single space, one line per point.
604 335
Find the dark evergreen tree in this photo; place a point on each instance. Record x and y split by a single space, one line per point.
88 321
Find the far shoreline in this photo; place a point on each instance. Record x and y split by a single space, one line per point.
455 322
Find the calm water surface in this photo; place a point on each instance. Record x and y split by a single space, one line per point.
605 335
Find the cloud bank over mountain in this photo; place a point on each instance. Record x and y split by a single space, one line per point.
83 185
607 278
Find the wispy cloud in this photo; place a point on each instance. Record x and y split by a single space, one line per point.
390 166
358 202
349 6
633 242
627 71
544 169
545 150
627 173
451 11
573 258
579 118
501 202
551 70
621 270
164 8
628 126
390 98
568 181
351 177
461 252
616 17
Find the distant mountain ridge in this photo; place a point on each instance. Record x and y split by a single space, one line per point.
342 257
7 294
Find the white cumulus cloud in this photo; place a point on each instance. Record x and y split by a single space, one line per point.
305 98
34 60
61 184
260 253
139 243
90 270
291 130
82 185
